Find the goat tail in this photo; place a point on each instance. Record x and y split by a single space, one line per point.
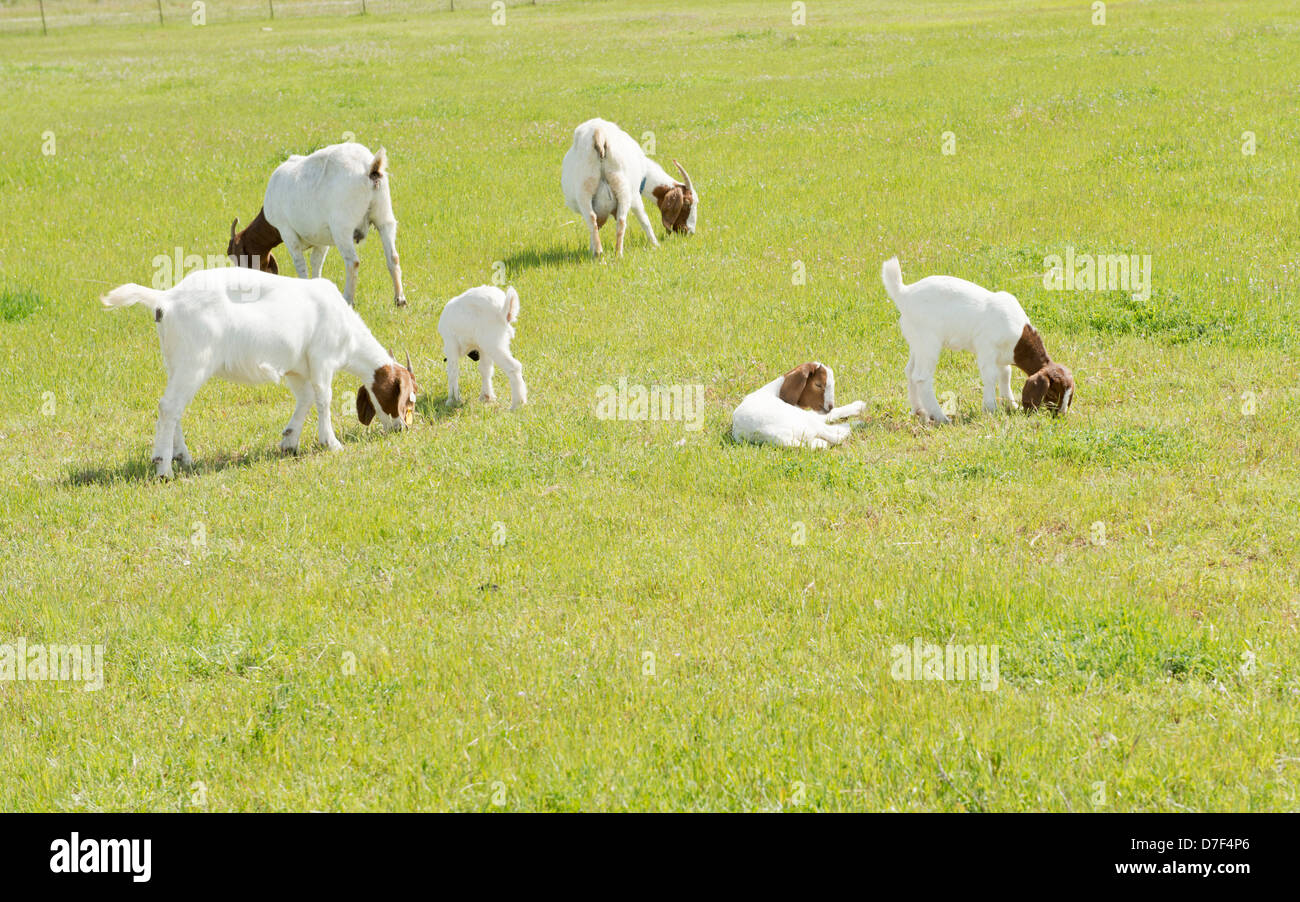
379 165
130 294
599 143
511 306
892 275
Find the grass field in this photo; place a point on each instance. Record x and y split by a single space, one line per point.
547 610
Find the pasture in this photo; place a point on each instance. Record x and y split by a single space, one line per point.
554 610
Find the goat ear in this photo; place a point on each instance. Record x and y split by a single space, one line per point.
365 410
670 206
387 388
1035 390
795 380
271 266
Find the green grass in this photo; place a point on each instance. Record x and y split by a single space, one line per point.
649 634
17 303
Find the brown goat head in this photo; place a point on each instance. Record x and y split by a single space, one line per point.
1049 384
678 204
395 390
1051 387
251 248
810 385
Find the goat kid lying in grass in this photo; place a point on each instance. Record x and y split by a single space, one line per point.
252 327
479 325
776 414
940 312
331 197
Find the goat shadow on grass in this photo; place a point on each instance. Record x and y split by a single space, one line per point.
446 409
141 469
726 440
553 256
432 409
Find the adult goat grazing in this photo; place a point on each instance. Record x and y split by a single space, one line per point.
331 197
253 327
606 173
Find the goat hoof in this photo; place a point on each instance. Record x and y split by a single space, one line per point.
162 468
488 399
185 459
399 301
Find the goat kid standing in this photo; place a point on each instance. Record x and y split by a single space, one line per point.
940 312
479 325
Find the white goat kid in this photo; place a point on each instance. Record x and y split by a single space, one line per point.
479 324
940 312
252 327
606 173
333 197
776 414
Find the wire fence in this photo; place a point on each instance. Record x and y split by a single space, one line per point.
44 16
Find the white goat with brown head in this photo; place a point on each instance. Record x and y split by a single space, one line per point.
330 198
796 410
606 173
253 327
940 312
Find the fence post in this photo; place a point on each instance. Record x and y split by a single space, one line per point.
44 30
271 3
363 7
160 17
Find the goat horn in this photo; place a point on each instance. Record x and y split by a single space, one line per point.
685 177
408 365
234 225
